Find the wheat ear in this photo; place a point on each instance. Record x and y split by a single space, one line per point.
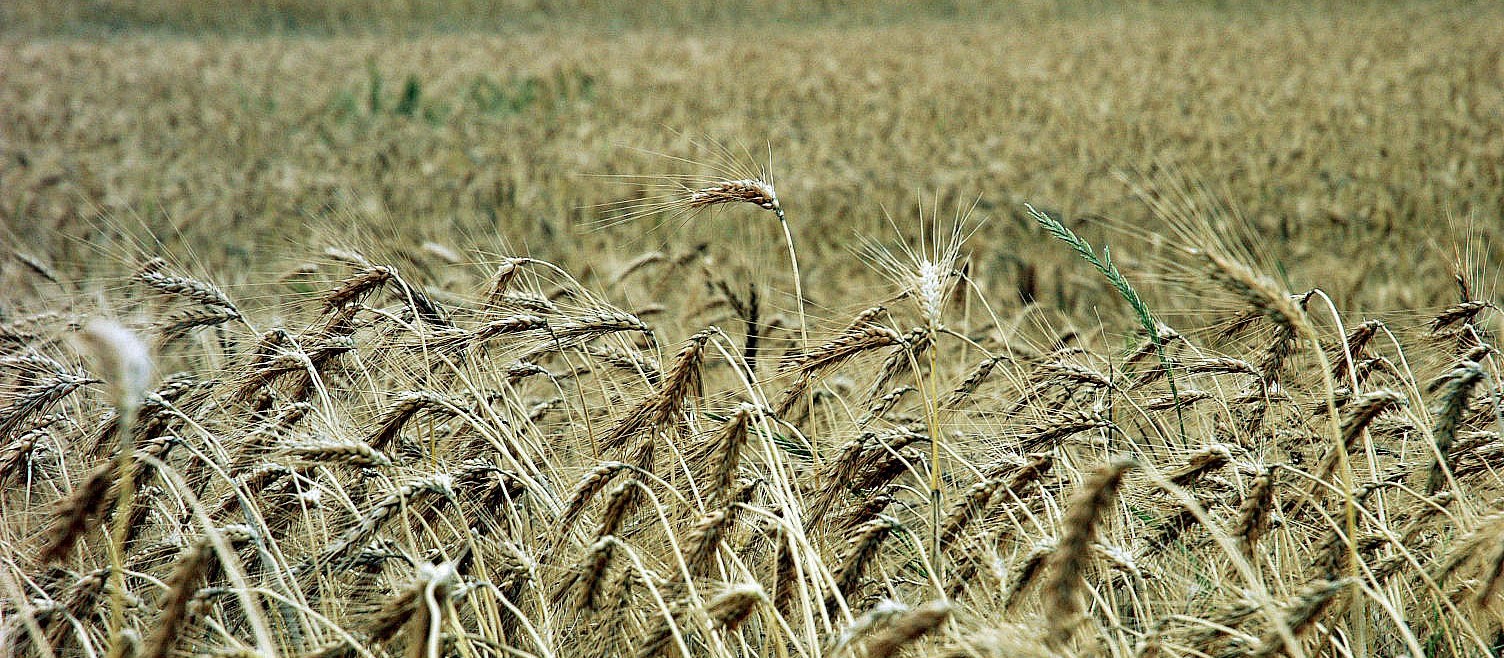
1086 511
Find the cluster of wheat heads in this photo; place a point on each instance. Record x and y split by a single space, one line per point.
378 465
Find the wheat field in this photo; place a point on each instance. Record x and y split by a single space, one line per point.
1067 329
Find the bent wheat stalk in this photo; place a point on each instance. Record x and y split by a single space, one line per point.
760 193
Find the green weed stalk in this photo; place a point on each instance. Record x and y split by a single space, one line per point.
1110 270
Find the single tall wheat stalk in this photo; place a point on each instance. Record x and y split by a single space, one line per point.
738 184
127 365
927 276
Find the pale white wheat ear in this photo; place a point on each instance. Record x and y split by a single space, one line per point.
126 365
926 273
122 358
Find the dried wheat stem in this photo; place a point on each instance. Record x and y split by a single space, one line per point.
863 547
1355 344
354 453
356 288
731 607
882 405
1086 511
724 451
1462 313
619 503
337 555
177 324
906 628
1302 613
981 494
181 586
844 347
1045 434
407 405
86 502
36 399
1457 387
663 408
705 540
412 612
1204 460
594 482
1254 512
195 290
588 585
971 383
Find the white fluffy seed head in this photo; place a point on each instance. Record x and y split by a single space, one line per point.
123 361
439 574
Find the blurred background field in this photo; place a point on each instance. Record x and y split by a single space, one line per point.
1347 136
420 17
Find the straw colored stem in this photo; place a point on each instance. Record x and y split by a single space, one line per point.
788 239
